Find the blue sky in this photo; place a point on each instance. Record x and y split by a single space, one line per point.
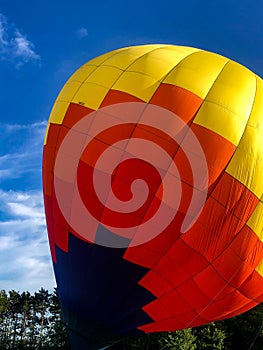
41 44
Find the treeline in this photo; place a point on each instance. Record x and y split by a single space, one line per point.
32 321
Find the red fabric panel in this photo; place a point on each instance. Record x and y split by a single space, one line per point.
173 272
155 283
74 113
61 236
186 256
52 136
149 253
115 96
47 179
195 297
165 306
190 319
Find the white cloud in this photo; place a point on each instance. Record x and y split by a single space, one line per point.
25 262
24 48
82 32
14 46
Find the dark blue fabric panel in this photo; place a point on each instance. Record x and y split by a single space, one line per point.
99 290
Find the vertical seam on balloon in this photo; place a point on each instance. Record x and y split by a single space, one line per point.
181 62
224 170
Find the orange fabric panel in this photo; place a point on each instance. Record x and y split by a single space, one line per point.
252 287
225 307
211 283
235 197
178 100
244 244
218 151
235 270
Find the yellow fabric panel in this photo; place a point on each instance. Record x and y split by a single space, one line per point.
90 95
58 112
172 54
259 268
47 129
82 73
197 72
153 67
232 95
137 84
105 76
256 119
68 91
123 58
246 164
255 222
220 120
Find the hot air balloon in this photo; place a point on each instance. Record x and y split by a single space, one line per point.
152 180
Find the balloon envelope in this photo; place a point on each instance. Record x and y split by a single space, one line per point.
152 178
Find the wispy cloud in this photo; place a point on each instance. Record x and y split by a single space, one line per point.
82 32
25 262
21 151
15 46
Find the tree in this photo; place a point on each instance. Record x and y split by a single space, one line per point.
4 318
57 332
179 340
15 305
210 337
26 307
42 313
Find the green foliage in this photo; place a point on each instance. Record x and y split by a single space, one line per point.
180 340
210 337
33 322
